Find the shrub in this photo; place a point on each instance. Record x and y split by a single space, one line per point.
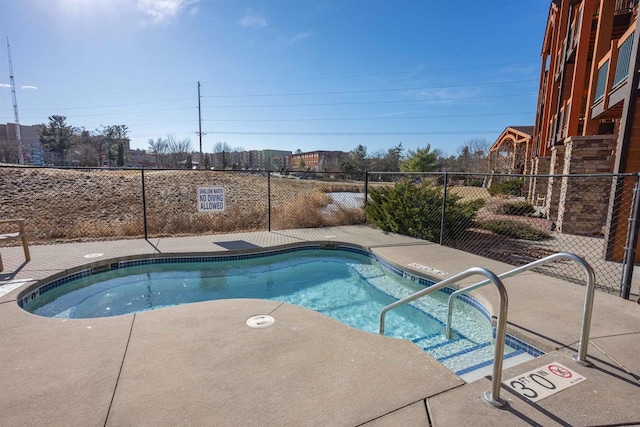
516 208
515 229
415 210
512 187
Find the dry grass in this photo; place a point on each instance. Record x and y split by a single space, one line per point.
68 205
469 193
307 210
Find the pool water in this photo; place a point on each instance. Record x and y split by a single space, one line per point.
350 287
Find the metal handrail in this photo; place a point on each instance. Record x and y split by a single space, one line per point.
492 396
581 357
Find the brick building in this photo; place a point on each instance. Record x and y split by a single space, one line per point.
32 152
317 161
586 120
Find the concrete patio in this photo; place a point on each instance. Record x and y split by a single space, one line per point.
199 364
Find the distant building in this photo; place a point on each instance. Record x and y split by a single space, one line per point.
141 159
32 151
239 160
268 159
236 160
511 152
317 161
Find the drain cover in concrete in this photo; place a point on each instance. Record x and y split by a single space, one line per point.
260 321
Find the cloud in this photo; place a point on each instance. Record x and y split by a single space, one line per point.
4 86
253 19
446 95
300 36
399 114
28 87
522 69
165 11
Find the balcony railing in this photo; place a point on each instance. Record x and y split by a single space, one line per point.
603 72
623 6
624 58
613 71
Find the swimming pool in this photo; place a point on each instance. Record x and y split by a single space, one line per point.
347 284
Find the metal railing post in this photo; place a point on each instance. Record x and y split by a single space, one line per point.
491 396
632 242
269 199
366 193
444 209
144 204
585 328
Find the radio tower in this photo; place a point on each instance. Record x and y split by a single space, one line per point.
15 107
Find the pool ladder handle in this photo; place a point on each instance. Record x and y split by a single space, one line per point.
581 357
491 396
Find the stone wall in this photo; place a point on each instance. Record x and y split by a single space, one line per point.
582 202
538 185
556 166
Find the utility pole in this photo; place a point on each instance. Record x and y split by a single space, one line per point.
202 162
15 107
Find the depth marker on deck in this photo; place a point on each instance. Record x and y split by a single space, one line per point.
427 269
544 381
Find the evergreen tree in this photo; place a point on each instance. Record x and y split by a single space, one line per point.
421 160
56 136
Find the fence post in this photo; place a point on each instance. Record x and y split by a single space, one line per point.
444 209
144 205
269 198
630 250
366 193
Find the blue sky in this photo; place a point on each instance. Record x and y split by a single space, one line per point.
279 74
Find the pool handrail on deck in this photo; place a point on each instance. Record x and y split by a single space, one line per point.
492 396
581 357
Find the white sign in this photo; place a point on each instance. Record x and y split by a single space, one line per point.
427 269
211 199
544 381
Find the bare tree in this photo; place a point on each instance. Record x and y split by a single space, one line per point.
472 156
100 144
159 148
8 150
221 152
114 138
82 149
179 150
387 161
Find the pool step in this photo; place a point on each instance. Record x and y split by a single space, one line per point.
373 275
468 358
461 355
476 372
442 348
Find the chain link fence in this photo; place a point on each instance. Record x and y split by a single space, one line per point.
517 219
73 205
64 205
172 202
306 200
511 218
